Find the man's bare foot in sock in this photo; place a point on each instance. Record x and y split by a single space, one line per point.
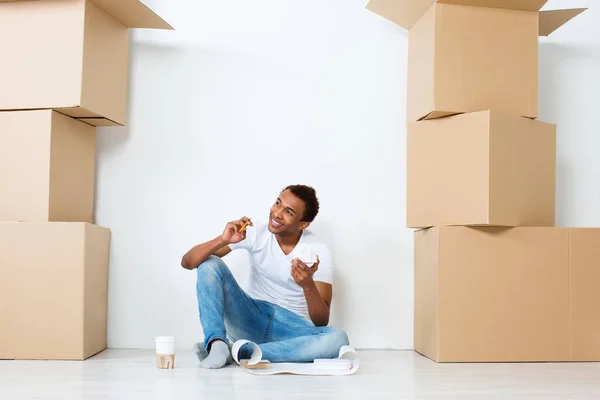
200 351
218 356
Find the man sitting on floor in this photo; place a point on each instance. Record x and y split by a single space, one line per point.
286 309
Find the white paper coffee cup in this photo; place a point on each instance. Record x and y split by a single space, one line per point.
165 345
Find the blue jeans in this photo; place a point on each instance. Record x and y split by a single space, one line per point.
226 311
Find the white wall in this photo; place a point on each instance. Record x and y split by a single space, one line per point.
323 83
570 97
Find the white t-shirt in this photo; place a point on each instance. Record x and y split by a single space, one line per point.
270 275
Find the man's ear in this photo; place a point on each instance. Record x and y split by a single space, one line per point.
303 225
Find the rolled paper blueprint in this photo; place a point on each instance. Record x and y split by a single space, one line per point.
346 363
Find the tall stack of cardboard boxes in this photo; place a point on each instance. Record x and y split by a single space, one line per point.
64 71
495 280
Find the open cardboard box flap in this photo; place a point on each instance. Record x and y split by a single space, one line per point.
131 13
406 13
554 19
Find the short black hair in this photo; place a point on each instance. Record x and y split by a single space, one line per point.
309 196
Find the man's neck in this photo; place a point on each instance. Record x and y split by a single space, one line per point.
288 241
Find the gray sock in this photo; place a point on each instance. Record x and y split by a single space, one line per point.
218 356
200 351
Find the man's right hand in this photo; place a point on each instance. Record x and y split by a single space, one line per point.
232 233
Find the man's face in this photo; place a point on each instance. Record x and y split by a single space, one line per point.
286 214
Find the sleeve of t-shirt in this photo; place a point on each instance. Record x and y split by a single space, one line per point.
247 243
325 271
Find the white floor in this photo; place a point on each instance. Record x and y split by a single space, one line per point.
132 374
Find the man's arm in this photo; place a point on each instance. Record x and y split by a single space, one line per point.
198 254
317 294
318 300
219 246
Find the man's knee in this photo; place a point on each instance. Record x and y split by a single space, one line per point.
211 270
333 341
338 337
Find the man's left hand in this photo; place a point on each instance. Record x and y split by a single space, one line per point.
302 273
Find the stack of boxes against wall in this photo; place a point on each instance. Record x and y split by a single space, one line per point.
64 72
495 280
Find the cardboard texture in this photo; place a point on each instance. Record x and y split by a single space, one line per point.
463 58
585 296
551 20
47 167
483 168
406 13
80 69
165 361
505 294
133 14
53 290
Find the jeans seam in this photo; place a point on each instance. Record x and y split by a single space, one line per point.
267 329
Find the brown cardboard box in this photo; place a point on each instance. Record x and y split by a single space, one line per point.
507 294
69 55
482 168
53 290
472 55
47 166
585 296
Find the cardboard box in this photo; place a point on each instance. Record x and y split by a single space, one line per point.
507 294
53 290
70 55
482 168
585 296
472 55
47 167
